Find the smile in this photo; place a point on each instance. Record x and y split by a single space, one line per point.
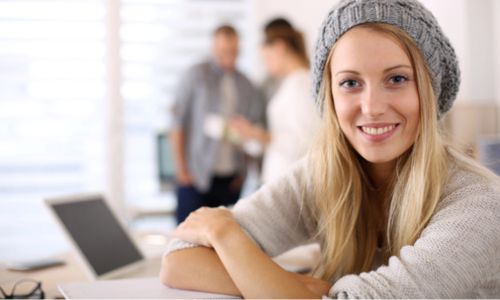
378 132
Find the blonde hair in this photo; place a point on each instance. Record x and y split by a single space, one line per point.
348 221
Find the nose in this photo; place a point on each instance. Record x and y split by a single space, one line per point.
373 103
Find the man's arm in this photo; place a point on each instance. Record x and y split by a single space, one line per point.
177 141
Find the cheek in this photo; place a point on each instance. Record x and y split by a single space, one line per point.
266 56
270 58
412 113
269 61
345 111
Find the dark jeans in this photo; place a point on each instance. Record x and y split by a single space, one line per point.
220 193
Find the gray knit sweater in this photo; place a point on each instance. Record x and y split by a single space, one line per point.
456 256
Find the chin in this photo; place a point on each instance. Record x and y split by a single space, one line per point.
378 158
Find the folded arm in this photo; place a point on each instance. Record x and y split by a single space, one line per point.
236 265
197 268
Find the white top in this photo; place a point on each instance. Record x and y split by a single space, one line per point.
293 121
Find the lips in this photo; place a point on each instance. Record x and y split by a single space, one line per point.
378 132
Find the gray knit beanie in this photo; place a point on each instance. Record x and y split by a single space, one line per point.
413 18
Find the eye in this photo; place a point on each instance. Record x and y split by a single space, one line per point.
398 79
349 84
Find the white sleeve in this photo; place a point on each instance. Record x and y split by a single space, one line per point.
304 117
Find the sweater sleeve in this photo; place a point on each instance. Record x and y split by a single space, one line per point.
276 217
456 256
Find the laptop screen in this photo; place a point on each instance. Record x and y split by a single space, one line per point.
98 234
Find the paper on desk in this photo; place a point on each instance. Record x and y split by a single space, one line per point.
150 288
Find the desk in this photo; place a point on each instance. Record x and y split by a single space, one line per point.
151 245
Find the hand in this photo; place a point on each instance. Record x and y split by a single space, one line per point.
184 178
242 127
205 225
318 286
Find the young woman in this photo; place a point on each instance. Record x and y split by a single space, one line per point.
287 140
398 213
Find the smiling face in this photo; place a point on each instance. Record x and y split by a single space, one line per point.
374 94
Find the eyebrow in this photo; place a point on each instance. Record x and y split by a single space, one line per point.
385 71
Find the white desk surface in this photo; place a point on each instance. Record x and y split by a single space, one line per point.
140 288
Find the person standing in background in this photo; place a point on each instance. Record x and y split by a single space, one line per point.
271 83
291 116
209 168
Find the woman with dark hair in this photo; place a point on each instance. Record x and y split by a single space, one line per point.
287 140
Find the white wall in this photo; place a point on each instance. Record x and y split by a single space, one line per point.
496 51
474 31
481 59
306 16
455 27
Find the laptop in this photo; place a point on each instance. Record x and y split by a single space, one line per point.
103 246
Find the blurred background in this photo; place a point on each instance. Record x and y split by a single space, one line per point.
86 92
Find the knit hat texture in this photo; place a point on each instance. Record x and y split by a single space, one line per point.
410 16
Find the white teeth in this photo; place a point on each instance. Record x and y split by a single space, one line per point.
377 131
